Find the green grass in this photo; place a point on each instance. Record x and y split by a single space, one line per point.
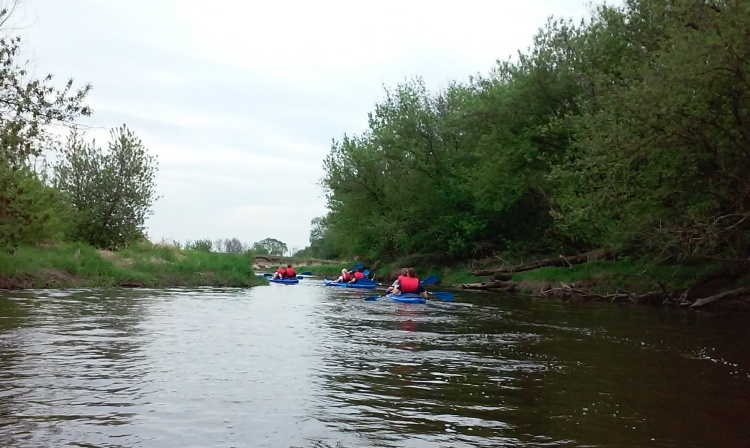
628 275
142 264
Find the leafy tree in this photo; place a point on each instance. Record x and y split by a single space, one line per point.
29 210
204 245
269 246
234 245
111 193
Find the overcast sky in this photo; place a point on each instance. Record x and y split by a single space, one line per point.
240 99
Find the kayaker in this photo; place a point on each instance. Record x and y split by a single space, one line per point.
344 277
404 273
410 283
289 272
357 275
279 272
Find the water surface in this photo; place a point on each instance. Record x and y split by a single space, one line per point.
315 366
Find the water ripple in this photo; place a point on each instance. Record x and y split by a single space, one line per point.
310 366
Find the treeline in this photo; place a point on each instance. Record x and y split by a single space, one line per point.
83 192
267 246
629 131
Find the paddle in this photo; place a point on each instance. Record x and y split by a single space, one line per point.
442 295
357 266
430 280
366 272
299 277
306 273
267 274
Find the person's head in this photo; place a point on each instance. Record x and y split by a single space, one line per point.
405 272
289 265
412 272
343 271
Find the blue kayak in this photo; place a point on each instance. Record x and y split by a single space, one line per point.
407 298
359 285
285 281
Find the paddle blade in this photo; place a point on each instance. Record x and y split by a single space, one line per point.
430 280
372 298
366 272
306 273
267 274
442 295
299 277
357 266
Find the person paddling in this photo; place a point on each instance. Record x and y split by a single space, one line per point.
357 275
344 277
410 284
279 272
289 272
404 273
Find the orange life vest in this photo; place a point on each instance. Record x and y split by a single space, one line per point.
408 284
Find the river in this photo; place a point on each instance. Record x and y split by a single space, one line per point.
315 366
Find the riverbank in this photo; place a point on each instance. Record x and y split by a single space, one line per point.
78 265
595 277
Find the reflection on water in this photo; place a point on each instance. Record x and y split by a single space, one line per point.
306 365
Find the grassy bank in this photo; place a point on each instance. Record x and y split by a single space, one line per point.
141 265
616 280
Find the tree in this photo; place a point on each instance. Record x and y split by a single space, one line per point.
204 245
269 246
110 193
29 210
234 245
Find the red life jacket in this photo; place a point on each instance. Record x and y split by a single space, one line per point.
346 276
358 275
289 273
280 271
408 284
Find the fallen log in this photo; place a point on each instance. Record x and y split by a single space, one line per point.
506 273
509 285
599 254
724 295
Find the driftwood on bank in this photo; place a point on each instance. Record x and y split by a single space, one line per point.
571 291
505 273
501 280
735 293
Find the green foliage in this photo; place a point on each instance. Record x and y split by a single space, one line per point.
628 131
111 193
204 245
80 265
325 243
30 212
269 246
628 275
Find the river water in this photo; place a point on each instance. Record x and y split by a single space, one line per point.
315 366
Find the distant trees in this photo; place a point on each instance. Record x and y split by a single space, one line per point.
323 242
269 246
110 192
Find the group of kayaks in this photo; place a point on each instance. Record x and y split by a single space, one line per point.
367 283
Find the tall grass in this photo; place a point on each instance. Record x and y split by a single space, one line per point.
142 264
